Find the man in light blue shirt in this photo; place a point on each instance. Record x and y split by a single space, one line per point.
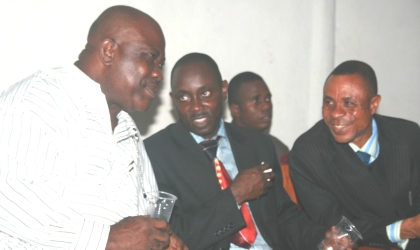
360 164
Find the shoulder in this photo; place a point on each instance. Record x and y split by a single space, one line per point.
397 130
246 134
318 133
392 123
163 138
43 97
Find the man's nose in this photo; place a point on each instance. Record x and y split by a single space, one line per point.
196 104
337 111
266 105
157 73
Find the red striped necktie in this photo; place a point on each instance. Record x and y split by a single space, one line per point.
245 237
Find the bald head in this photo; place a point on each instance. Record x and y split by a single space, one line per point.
118 23
125 53
197 60
115 21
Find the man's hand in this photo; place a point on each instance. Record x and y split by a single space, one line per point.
252 183
139 232
410 228
176 243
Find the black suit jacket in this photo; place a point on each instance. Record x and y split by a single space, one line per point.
331 181
204 216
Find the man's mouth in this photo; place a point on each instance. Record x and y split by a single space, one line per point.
152 88
200 119
265 118
339 128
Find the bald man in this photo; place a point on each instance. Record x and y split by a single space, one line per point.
74 171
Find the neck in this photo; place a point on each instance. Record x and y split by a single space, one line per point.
113 112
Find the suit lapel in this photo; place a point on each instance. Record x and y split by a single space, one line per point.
262 209
197 167
241 153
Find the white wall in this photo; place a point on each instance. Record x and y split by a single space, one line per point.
386 35
291 44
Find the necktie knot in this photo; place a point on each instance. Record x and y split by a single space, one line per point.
210 147
365 157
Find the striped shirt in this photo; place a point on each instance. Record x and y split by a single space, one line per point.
65 176
372 148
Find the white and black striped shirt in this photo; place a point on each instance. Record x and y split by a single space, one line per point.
65 177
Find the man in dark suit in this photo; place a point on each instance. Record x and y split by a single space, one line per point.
250 106
206 215
360 164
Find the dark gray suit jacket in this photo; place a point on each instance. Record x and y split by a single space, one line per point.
205 216
331 181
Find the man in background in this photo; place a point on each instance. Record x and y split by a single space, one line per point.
360 164
250 105
73 168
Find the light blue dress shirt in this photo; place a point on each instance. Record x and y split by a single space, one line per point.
372 148
225 155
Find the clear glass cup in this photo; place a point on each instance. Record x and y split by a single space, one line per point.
342 236
160 204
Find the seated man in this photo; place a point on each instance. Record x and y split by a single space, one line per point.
360 164
206 214
250 106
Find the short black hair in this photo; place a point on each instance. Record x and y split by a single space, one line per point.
236 83
362 69
195 58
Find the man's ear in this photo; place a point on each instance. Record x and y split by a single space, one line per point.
374 104
107 51
224 90
234 110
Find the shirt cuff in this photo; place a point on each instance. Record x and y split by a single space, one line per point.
393 232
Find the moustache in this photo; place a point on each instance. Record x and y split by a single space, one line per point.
199 115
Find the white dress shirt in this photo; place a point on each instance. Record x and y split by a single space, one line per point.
65 176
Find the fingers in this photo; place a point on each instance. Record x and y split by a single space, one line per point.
267 170
161 233
163 225
176 243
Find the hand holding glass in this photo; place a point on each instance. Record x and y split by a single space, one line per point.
342 236
160 204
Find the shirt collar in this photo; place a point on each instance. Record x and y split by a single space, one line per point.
372 145
221 132
125 128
